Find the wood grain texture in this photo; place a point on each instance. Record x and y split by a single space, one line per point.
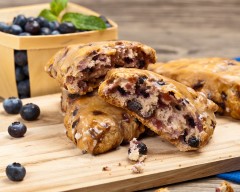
54 163
175 29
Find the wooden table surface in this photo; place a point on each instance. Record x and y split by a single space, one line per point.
175 29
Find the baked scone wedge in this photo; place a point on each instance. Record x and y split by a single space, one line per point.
97 127
218 78
175 112
80 68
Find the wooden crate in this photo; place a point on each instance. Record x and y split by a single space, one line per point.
40 49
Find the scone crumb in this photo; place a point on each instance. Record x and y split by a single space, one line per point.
119 164
225 187
137 150
162 190
138 167
106 168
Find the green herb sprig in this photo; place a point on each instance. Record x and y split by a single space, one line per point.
79 20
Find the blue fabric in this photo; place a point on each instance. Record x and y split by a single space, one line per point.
231 176
235 175
237 58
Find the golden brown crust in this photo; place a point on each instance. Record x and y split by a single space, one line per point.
225 187
122 89
80 68
97 127
218 78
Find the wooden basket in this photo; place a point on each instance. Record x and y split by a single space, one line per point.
40 49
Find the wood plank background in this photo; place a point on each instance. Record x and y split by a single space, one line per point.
175 29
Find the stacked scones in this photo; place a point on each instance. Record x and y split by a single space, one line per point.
111 95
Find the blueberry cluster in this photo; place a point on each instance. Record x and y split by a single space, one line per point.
24 26
21 73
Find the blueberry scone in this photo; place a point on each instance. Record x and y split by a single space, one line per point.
218 78
80 68
175 112
97 127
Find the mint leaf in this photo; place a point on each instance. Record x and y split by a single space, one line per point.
84 22
57 6
47 14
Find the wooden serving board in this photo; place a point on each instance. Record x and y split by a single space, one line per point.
53 163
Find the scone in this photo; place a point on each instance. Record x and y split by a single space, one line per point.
218 78
175 112
225 187
80 68
97 127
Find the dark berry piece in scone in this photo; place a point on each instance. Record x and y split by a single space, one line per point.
68 99
17 129
137 150
175 112
80 68
97 127
12 105
218 78
30 112
15 172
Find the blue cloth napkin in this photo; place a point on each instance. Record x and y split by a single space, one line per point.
237 58
235 175
231 176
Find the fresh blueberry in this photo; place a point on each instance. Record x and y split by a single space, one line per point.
30 19
15 29
55 32
53 25
108 25
45 31
142 148
32 27
25 70
25 34
41 21
12 105
30 112
4 27
15 172
20 58
19 73
20 20
66 27
17 129
24 88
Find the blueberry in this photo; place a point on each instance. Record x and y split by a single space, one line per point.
30 19
108 25
30 112
4 27
20 20
142 148
24 88
32 27
53 25
15 172
193 141
41 21
15 29
66 27
12 105
134 105
55 32
45 31
19 73
25 70
17 129
20 58
25 34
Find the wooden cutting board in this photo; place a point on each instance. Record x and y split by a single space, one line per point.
53 163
